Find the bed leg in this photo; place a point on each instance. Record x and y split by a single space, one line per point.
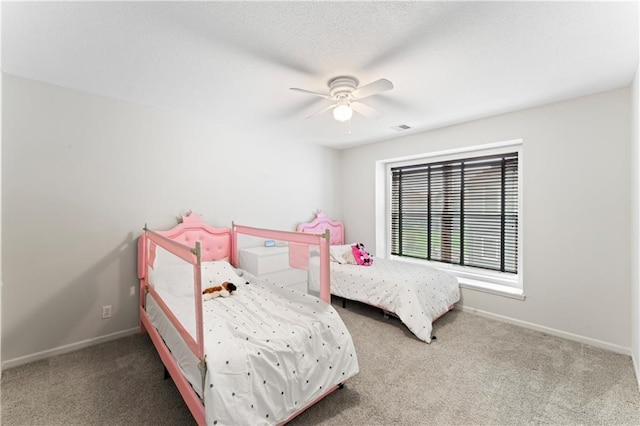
385 314
166 373
341 385
344 303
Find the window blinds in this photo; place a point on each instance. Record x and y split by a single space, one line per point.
463 212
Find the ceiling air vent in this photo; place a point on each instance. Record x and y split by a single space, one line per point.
401 127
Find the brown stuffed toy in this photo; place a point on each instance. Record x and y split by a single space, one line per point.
224 290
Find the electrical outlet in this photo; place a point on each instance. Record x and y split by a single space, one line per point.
106 311
132 290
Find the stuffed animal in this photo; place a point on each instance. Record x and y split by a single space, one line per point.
224 290
361 254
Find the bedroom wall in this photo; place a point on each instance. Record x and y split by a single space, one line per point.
1 78
576 212
635 224
82 174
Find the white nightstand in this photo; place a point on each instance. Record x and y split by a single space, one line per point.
272 263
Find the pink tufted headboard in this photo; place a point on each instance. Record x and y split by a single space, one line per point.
322 222
215 243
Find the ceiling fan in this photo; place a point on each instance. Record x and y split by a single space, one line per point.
346 95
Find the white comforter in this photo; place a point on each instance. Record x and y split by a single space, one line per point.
269 350
417 294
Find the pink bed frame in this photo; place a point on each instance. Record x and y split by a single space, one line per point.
322 223
195 242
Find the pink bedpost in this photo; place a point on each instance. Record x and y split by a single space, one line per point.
325 290
233 258
197 279
142 270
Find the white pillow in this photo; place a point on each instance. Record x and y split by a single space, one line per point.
342 254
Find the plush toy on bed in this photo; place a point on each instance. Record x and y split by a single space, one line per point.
224 290
361 254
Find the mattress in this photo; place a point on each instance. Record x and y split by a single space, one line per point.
269 350
417 294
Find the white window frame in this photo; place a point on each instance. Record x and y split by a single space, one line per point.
504 284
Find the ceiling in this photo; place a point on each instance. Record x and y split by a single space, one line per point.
234 62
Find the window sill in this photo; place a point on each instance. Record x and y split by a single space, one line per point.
497 289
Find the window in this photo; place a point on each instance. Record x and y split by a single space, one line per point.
462 212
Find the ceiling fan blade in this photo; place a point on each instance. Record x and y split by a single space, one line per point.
366 110
322 95
376 87
322 110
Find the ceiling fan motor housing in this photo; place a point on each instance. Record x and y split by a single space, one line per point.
342 86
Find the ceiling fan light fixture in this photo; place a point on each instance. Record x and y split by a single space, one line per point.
342 112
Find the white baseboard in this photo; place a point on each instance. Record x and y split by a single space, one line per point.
67 348
551 331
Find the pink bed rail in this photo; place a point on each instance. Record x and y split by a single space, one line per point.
321 240
192 257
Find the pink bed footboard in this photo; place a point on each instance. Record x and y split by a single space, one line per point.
194 242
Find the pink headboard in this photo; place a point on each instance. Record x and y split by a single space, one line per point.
322 222
215 243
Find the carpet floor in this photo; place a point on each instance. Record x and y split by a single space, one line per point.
478 372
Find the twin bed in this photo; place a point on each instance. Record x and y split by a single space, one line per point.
417 294
260 356
267 352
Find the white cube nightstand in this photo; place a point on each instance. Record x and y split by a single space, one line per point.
272 263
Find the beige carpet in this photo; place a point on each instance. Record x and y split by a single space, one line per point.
478 371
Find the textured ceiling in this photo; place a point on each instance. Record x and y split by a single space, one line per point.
234 62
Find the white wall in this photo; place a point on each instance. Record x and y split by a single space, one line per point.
1 78
576 212
635 224
82 174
